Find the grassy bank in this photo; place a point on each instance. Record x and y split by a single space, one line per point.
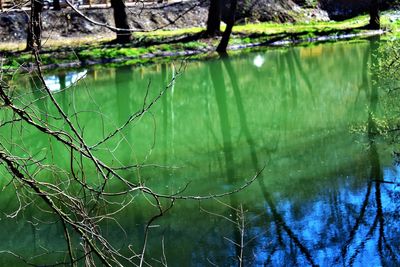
75 52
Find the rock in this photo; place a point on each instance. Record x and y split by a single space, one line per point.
13 26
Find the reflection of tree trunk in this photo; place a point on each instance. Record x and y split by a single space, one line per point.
379 214
62 80
293 80
40 96
376 176
214 18
165 112
40 99
35 26
282 85
229 26
241 110
364 75
220 95
375 164
374 96
376 170
357 224
123 100
63 93
122 77
280 223
121 21
303 74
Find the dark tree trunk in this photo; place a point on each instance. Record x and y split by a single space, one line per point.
35 26
374 21
56 5
121 21
214 18
229 26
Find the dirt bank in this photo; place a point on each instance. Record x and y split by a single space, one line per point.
193 13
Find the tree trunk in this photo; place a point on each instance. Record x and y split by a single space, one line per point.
121 21
374 21
221 49
35 26
214 18
56 5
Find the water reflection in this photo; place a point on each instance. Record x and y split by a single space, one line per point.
281 225
329 193
282 239
218 81
40 96
376 223
59 82
258 61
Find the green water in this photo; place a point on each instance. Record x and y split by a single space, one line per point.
306 114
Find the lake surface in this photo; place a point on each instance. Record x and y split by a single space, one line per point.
329 191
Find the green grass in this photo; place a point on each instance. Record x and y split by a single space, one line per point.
168 33
111 52
273 28
266 28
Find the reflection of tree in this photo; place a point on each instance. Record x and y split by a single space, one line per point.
293 59
289 63
366 226
64 95
281 224
364 75
40 97
284 115
123 76
293 80
165 112
375 178
218 81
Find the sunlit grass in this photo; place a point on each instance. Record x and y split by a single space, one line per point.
169 33
55 43
12 46
273 28
266 27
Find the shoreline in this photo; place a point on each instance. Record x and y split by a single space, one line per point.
205 52
159 46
